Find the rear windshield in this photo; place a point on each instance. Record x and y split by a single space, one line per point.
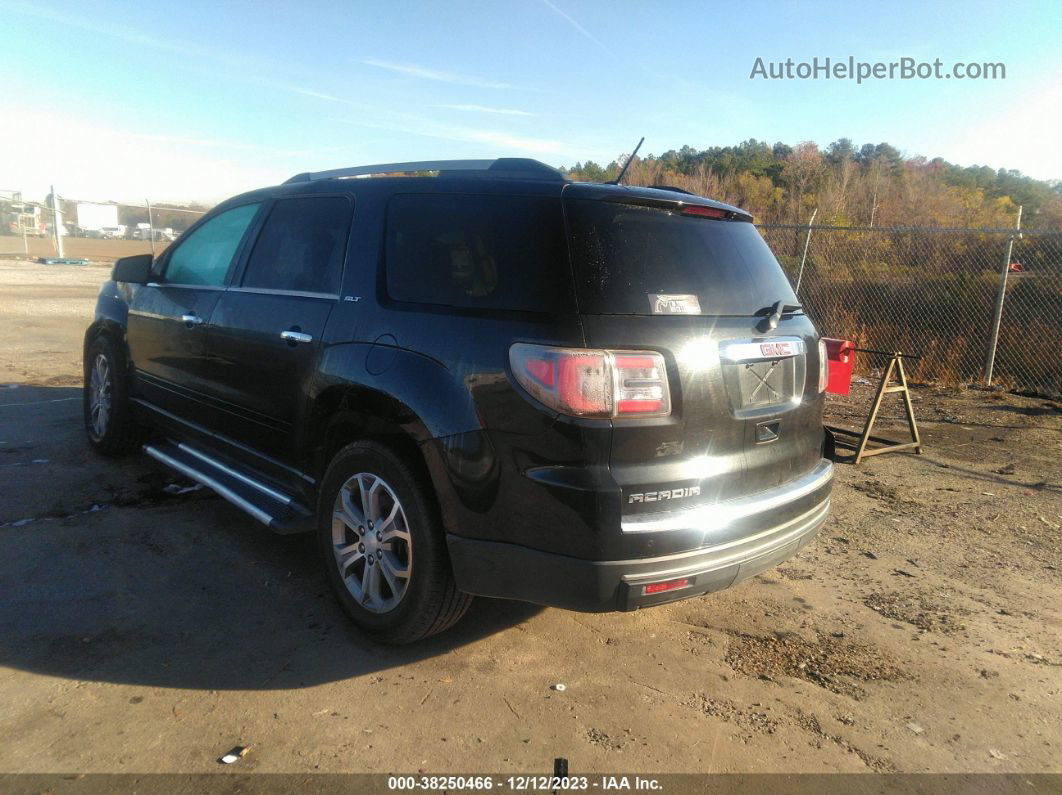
624 255
478 252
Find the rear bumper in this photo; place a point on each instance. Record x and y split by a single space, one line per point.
713 520
508 571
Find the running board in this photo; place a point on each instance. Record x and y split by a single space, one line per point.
276 510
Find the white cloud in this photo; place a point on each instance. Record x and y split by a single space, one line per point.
91 161
586 34
522 143
97 163
116 31
1018 136
212 143
485 109
426 73
428 128
240 67
308 92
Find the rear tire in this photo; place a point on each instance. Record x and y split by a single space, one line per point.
383 547
109 421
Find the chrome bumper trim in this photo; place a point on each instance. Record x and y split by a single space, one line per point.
741 551
713 517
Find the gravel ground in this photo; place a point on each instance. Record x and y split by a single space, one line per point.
145 631
97 250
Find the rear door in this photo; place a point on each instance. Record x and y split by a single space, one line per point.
698 288
267 327
169 319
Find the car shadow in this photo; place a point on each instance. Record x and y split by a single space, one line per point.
106 576
1045 409
994 478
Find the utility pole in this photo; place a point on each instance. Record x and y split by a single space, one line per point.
997 314
57 225
151 227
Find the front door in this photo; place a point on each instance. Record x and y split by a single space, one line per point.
169 319
267 327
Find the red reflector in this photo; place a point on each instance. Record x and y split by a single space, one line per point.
660 587
705 212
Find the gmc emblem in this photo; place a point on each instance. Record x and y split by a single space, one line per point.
666 494
770 349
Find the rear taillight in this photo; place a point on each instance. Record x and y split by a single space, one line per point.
593 383
824 366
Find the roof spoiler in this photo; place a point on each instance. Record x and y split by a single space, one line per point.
504 167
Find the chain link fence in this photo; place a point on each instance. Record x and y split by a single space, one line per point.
934 292
117 229
928 291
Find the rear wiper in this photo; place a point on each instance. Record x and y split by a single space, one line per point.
779 308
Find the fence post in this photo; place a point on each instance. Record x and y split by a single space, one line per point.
151 227
997 313
56 224
807 242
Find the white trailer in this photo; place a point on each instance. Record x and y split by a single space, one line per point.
94 217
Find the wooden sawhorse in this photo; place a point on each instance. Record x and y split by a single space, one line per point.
884 388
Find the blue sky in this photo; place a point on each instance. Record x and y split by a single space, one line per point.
198 100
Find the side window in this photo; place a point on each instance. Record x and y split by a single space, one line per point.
478 252
204 256
301 246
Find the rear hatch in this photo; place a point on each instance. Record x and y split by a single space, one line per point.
695 282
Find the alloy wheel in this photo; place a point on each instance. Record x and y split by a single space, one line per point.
100 388
371 542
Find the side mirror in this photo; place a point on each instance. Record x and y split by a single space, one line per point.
136 269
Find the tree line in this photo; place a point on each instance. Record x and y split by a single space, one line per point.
870 185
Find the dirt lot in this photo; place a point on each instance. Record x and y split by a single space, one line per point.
144 631
78 248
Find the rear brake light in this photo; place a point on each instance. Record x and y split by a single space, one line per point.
660 587
704 212
593 383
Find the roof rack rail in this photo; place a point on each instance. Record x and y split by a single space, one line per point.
501 167
673 189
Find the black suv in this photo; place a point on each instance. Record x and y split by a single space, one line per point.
479 379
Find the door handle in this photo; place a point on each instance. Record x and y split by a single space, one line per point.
295 337
192 320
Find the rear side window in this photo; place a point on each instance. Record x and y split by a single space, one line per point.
479 252
204 256
301 246
622 254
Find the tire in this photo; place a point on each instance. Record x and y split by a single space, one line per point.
109 422
365 556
